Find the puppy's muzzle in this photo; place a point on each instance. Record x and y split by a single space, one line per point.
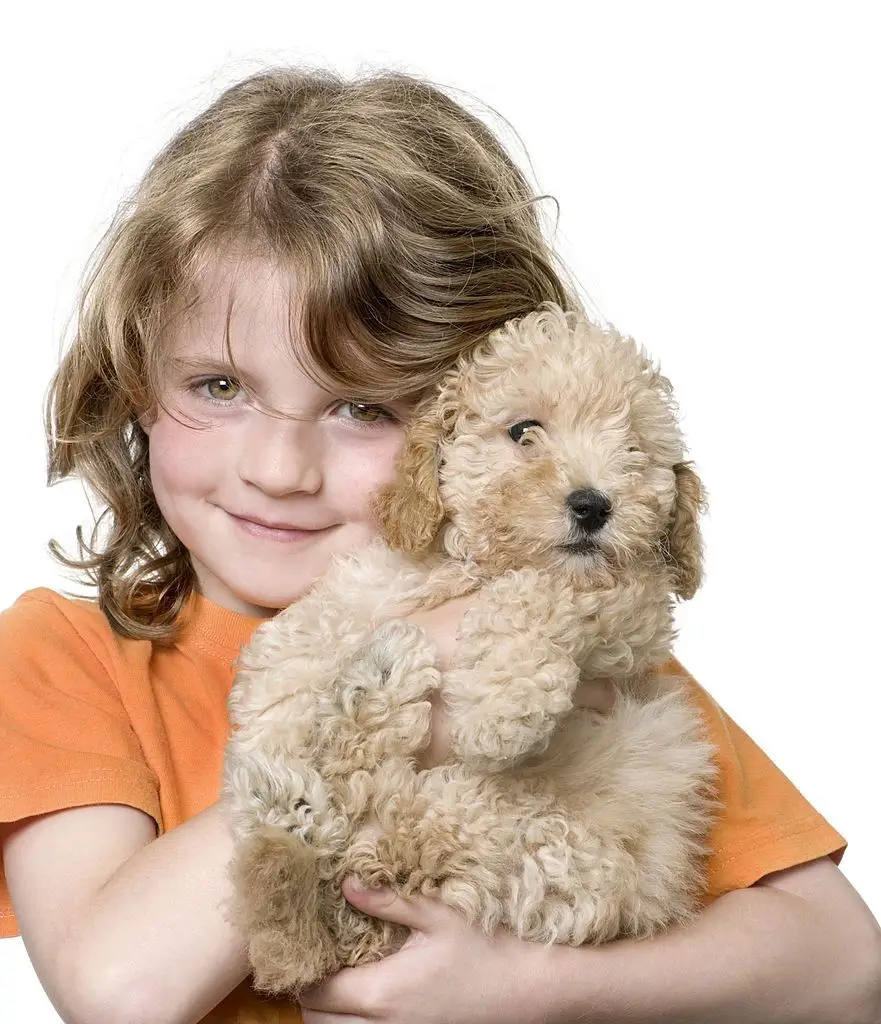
589 509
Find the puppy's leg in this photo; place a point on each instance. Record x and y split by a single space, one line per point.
619 848
443 844
626 628
365 730
383 690
384 800
292 661
517 670
280 904
291 829
273 787
654 802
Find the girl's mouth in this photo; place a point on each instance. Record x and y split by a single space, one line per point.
283 532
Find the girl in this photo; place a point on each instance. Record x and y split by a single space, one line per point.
299 265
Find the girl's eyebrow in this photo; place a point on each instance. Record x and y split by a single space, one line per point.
209 363
220 365
217 365
202 362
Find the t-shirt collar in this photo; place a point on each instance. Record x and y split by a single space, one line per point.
222 628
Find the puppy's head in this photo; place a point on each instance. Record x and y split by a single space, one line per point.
553 444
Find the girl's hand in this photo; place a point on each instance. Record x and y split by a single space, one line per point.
446 972
441 624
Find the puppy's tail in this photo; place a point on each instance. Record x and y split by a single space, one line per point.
280 905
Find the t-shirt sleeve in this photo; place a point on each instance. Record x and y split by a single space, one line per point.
764 823
66 739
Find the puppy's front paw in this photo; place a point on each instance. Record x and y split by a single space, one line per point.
396 666
496 745
499 719
384 690
261 791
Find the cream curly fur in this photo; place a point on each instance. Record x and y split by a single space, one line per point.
557 822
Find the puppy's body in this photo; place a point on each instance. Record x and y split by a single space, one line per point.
559 823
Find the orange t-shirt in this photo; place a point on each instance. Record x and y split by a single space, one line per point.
88 717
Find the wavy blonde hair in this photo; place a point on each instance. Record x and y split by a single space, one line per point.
412 232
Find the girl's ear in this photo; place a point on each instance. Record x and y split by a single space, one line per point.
410 511
684 547
146 421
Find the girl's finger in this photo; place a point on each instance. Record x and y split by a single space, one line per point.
419 915
344 998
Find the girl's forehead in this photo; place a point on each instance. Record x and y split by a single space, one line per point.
236 305
245 310
241 285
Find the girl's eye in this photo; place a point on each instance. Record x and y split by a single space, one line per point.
221 389
519 433
361 412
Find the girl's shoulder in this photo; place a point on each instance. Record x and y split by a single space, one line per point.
43 605
47 620
46 626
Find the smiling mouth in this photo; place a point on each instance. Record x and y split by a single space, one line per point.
272 526
275 531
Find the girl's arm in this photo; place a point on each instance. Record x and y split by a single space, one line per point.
798 948
120 925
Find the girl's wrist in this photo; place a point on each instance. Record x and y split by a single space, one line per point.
762 953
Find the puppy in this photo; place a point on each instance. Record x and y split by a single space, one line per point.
546 476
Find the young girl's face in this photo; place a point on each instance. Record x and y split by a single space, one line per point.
261 500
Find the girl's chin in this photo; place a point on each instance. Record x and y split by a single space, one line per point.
261 586
260 604
263 606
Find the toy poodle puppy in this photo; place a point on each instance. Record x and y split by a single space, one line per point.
547 477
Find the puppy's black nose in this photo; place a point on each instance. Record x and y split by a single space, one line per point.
589 507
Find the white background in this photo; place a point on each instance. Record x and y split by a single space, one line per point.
717 175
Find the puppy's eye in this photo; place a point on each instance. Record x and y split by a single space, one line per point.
520 431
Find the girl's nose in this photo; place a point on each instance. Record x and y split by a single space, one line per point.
282 456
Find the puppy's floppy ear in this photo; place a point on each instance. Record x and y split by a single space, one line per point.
410 511
684 546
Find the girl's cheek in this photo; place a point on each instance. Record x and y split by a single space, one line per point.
178 447
375 464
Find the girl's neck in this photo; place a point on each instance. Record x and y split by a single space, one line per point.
211 622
